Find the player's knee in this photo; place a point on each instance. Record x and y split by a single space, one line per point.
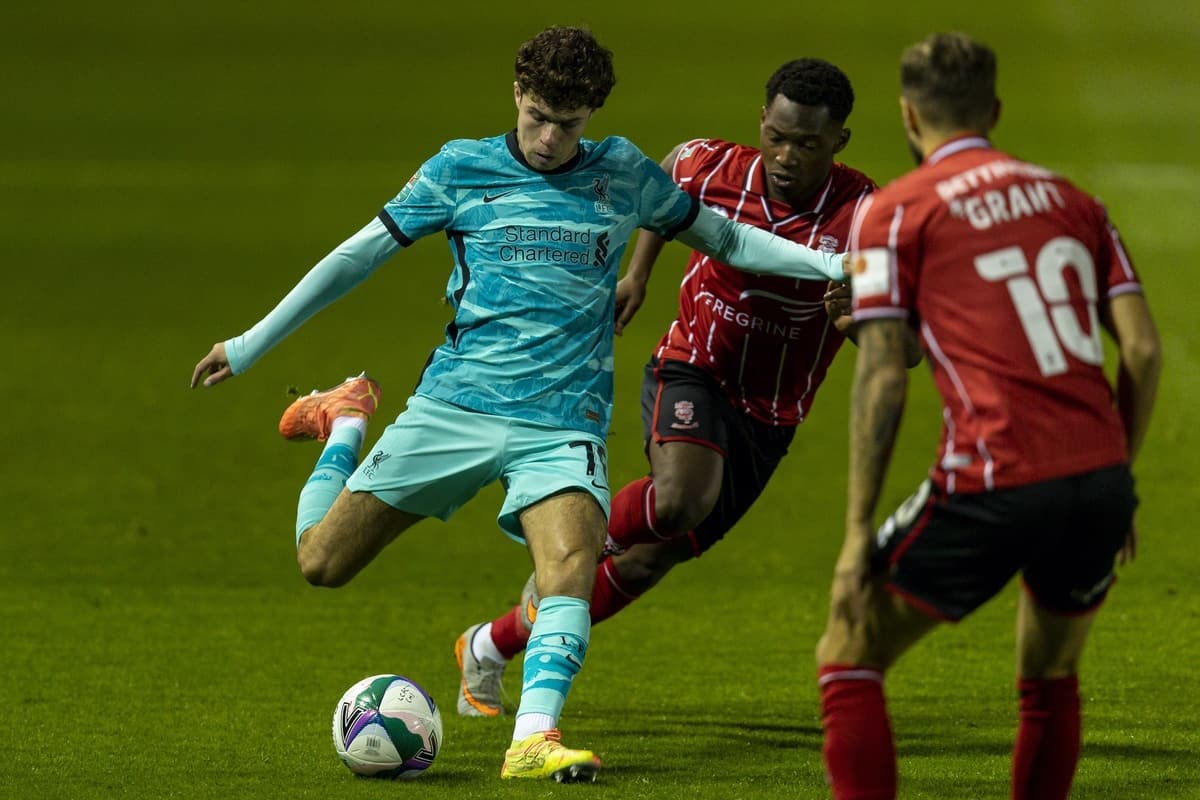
312 569
572 557
680 507
847 645
568 571
832 648
316 568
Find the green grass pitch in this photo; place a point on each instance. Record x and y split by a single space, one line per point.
167 171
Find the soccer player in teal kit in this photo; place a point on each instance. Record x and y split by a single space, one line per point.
521 389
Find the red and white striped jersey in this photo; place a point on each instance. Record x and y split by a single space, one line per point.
766 340
1004 268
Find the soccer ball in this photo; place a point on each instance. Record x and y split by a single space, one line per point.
387 726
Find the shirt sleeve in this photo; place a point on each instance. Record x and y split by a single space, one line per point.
755 250
332 277
691 160
1114 266
882 267
426 204
665 208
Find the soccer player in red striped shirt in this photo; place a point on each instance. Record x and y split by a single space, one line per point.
1009 273
737 370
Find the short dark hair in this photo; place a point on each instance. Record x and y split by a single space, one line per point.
951 79
566 68
813 82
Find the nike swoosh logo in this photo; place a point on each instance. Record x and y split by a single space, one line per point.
487 198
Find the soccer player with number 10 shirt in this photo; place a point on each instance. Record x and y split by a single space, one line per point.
1008 273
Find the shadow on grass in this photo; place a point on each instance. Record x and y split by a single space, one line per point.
718 750
935 762
436 776
927 743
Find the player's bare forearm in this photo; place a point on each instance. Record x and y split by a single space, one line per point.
912 346
649 244
1136 392
646 250
1139 368
631 289
877 404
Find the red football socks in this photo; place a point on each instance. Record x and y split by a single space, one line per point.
1047 746
859 754
509 634
610 594
631 518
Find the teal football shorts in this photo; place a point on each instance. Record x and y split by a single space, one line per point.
437 456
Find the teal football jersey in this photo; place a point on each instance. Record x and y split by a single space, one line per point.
536 256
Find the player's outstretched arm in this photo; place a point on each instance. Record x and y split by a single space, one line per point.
331 278
754 250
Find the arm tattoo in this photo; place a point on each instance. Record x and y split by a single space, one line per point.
880 384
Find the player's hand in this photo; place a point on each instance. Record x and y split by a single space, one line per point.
1128 551
631 293
847 265
837 300
215 365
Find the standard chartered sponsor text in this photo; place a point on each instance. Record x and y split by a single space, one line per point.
525 244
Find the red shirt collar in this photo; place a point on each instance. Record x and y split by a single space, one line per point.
969 141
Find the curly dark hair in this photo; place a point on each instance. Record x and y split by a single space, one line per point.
566 68
813 82
951 79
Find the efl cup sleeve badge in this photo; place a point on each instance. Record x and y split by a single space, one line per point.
871 272
408 187
685 416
